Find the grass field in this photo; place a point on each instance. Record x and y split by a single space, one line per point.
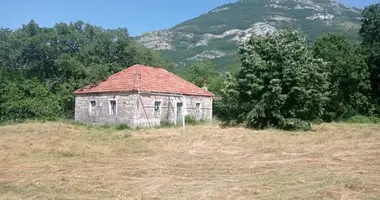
63 161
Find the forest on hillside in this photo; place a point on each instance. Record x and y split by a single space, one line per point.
282 80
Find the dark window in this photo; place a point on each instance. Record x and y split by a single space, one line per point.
157 108
112 107
198 108
92 107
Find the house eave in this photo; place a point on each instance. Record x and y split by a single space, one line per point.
142 91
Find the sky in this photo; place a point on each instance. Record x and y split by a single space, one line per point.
138 16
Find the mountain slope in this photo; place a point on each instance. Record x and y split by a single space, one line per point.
215 34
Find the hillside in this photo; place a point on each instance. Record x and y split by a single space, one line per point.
215 34
64 161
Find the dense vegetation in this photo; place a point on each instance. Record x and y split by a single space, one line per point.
285 82
41 67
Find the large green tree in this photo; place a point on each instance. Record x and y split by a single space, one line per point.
350 85
200 73
279 81
369 33
203 73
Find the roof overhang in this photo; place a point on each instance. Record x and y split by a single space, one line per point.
142 92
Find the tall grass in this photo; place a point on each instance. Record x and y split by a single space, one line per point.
360 119
51 160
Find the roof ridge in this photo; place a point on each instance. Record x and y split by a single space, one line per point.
137 78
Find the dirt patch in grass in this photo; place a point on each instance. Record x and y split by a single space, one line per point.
62 161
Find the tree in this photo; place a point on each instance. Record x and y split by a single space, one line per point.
279 81
41 67
22 98
228 108
201 73
369 33
350 86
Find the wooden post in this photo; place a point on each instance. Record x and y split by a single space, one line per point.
184 113
211 106
183 122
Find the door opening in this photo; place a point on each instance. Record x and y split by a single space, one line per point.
179 112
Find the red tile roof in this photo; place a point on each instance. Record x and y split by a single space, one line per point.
148 79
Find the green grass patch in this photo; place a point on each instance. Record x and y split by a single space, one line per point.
167 124
190 120
360 119
121 127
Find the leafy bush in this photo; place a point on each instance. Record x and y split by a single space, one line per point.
295 125
167 124
118 127
191 120
121 127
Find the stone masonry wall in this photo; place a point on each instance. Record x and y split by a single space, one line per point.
125 103
137 110
146 116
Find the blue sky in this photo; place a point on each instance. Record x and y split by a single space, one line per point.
138 16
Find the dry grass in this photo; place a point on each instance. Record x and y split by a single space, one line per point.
62 161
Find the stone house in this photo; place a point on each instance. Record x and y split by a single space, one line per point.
142 96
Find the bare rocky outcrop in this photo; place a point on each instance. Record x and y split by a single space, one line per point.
258 29
158 40
161 40
321 16
212 54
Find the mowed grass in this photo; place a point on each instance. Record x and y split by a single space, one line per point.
63 161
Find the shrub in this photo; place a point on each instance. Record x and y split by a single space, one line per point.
295 125
167 124
120 127
190 120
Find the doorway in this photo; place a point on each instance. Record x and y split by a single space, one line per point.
179 112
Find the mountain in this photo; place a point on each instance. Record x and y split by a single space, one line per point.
215 35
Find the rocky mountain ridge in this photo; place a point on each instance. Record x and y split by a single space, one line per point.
215 35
